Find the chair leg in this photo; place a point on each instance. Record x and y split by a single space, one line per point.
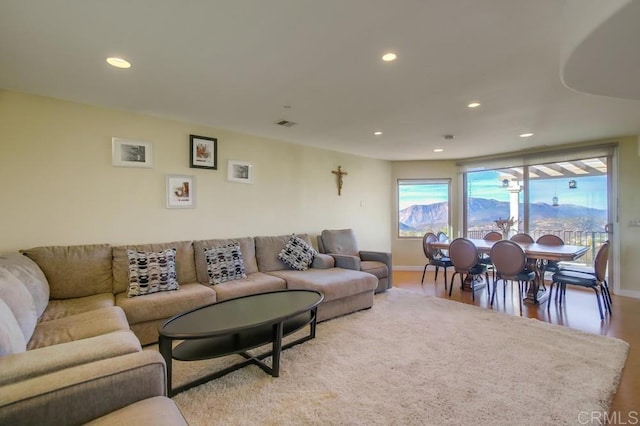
495 288
599 304
520 297
605 299
605 286
424 271
451 283
550 295
486 277
445 277
436 277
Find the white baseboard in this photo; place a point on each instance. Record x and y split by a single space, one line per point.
628 293
408 268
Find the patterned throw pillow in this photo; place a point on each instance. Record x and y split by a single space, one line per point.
151 272
298 254
224 263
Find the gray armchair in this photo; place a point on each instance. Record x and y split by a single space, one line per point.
342 245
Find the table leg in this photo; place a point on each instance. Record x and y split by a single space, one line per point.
277 348
535 296
164 345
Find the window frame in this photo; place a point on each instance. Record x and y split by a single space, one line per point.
422 181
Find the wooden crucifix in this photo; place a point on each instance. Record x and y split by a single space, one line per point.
339 173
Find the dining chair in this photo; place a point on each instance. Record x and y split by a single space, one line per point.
442 237
510 263
522 238
486 258
464 256
551 240
596 281
434 258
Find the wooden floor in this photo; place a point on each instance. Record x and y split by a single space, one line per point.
579 311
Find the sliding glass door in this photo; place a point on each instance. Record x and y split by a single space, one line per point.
566 198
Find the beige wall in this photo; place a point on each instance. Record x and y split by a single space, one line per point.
408 252
629 210
59 187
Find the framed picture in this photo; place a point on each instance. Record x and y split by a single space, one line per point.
181 192
131 153
240 171
204 152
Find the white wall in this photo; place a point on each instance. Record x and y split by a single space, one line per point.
58 186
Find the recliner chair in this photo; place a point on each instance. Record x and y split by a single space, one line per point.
342 246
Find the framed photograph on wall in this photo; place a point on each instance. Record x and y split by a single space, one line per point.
131 153
181 192
240 171
204 152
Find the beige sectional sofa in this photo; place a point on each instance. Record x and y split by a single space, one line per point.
68 327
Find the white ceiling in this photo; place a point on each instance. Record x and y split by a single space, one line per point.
235 64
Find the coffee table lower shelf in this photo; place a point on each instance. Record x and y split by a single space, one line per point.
237 343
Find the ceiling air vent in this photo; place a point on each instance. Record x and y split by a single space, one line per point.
285 123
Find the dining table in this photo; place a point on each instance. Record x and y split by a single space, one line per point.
538 254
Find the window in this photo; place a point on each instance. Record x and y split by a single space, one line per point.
565 198
423 206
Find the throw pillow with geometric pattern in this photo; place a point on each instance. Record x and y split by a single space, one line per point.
224 263
151 272
297 253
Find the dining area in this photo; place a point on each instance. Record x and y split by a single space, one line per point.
537 267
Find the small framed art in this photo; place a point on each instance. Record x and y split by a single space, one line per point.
240 171
131 153
181 192
204 152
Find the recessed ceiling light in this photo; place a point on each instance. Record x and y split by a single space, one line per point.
377 133
526 135
474 105
118 62
388 57
438 150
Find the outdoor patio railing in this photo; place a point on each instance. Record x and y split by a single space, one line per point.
591 239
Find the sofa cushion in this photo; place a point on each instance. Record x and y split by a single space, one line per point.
165 304
157 411
75 271
30 275
151 272
378 269
76 327
268 248
247 248
297 253
185 264
46 360
11 337
19 300
334 283
64 308
253 284
224 263
340 241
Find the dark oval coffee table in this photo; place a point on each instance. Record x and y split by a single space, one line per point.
235 326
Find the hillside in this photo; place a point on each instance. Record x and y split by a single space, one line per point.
482 213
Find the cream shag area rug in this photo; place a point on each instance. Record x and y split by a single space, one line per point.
417 360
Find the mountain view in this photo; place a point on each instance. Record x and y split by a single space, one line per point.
418 219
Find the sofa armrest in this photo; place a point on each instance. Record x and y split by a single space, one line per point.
347 262
323 261
377 256
41 361
79 394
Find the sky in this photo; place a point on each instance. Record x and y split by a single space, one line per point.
591 191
